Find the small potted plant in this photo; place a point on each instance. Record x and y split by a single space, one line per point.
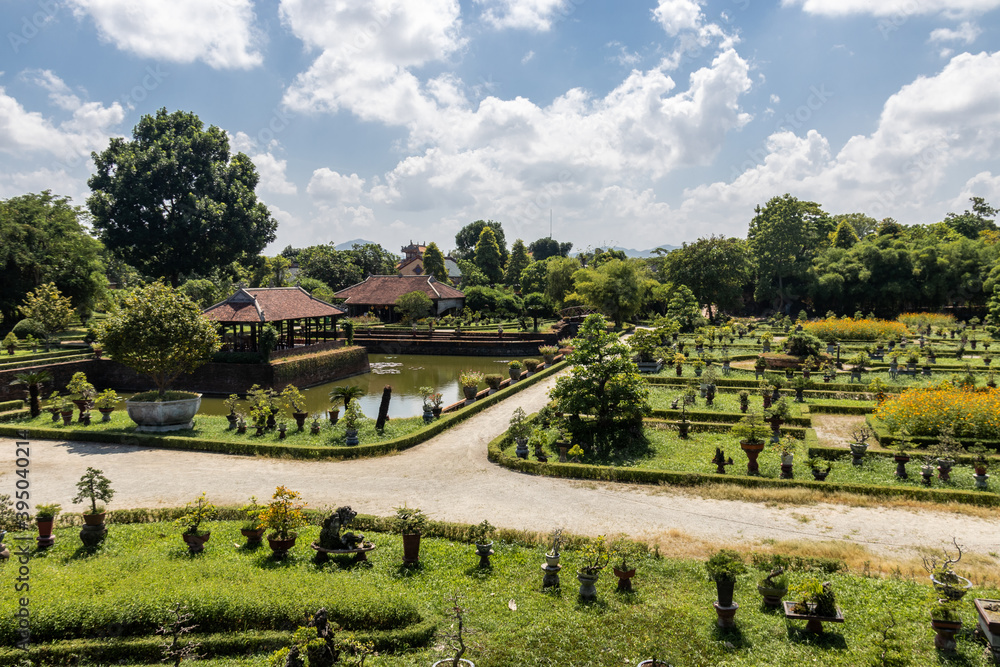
514 369
252 529
859 443
945 451
95 487
625 554
946 619
744 400
531 365
980 465
773 587
548 353
723 568
353 416
231 404
10 343
594 558
45 518
481 535
815 603
437 398
786 446
106 402
949 585
470 381
751 431
195 513
410 522
520 430
315 426
493 381
79 386
428 405
678 362
296 403
455 637
820 468
282 516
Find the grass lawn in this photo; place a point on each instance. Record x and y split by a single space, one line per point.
660 399
142 570
217 428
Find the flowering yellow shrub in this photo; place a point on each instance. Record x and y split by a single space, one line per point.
936 320
847 328
973 413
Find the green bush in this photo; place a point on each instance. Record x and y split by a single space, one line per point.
28 327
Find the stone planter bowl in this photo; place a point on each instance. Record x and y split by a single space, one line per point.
164 416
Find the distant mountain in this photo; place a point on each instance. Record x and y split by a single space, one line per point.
631 252
347 245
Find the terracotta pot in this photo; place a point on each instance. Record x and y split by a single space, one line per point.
624 579
280 547
94 519
411 548
300 419
67 417
45 527
253 536
105 413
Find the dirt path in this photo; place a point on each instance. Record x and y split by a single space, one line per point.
450 478
835 430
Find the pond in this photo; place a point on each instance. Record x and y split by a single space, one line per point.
405 373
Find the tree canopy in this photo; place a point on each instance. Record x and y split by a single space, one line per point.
542 249
413 306
518 262
715 269
175 186
488 257
434 264
615 288
468 238
43 241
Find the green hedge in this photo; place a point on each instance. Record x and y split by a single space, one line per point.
885 437
17 365
643 476
720 417
276 450
328 362
10 405
797 432
818 407
14 415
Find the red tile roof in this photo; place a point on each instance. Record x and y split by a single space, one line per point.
270 304
384 290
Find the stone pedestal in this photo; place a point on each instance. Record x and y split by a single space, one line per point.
551 578
91 536
727 615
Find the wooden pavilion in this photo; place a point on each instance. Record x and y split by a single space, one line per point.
300 318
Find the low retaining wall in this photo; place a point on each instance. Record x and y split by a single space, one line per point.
211 379
464 346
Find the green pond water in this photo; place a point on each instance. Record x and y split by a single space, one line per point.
405 373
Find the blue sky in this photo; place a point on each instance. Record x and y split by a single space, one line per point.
636 124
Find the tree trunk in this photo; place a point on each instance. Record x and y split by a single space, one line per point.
383 409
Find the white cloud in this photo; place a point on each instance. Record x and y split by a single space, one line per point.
967 33
678 15
221 33
526 14
270 169
528 57
896 170
328 186
29 132
624 56
900 8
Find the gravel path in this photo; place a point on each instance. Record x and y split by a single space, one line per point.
450 478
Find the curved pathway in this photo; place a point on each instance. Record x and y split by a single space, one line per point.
450 478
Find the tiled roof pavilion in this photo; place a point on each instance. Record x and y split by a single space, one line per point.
379 294
297 315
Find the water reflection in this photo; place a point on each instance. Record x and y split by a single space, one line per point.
405 373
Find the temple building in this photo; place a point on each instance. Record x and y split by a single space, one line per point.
413 263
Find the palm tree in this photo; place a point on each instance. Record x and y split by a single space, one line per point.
33 381
346 393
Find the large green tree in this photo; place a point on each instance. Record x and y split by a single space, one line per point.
42 241
971 223
559 281
785 235
488 257
329 265
468 238
173 202
542 249
683 308
603 383
535 277
518 262
413 306
47 306
434 264
715 269
373 259
616 288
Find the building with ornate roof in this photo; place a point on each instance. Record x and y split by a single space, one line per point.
378 294
299 317
412 263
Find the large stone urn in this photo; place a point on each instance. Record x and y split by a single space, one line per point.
165 415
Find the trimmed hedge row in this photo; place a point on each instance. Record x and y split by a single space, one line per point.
150 649
829 409
327 362
885 437
721 417
797 432
274 450
831 453
644 476
10 405
17 365
14 415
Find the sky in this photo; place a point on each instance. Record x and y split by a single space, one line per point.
633 124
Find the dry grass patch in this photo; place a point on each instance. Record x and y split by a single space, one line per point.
835 430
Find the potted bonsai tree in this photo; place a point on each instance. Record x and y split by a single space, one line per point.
45 518
159 332
79 386
96 488
859 443
296 403
252 528
353 416
514 369
945 451
531 365
106 402
493 381
10 343
481 535
548 353
625 554
426 393
594 558
282 516
815 604
751 431
456 638
410 522
520 430
949 585
723 568
195 513
946 620
773 587
231 404
470 381
816 466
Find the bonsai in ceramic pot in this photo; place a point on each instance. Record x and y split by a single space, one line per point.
428 404
481 535
773 587
95 487
106 402
859 444
353 417
786 447
945 451
410 522
455 636
946 620
159 332
947 583
45 518
751 431
625 555
282 516
252 528
296 404
231 404
724 567
83 390
815 603
520 430
594 558
470 381
196 512
816 467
